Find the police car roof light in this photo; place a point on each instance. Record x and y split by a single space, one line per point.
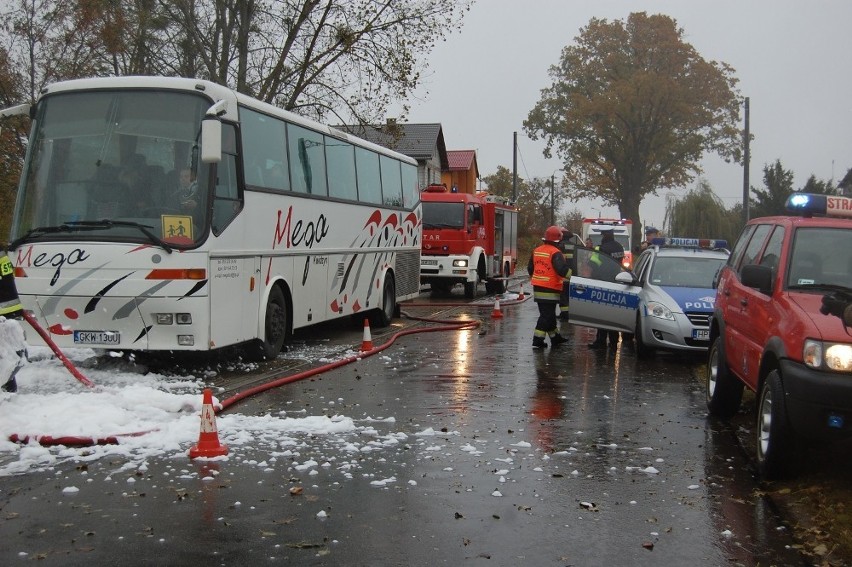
690 242
809 204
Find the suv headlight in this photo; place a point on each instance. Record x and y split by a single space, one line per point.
659 310
833 356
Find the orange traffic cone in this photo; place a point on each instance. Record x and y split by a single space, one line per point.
496 313
208 440
367 343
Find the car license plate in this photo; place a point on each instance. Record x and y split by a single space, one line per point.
701 334
429 262
97 337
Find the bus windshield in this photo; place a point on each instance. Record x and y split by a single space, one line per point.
127 157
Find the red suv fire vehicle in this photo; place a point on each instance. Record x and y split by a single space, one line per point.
778 328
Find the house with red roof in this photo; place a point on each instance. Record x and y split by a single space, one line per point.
462 171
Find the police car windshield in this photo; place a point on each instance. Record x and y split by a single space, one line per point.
674 271
821 256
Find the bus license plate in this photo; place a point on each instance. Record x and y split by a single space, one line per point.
701 334
429 262
97 337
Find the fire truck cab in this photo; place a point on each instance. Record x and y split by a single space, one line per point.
467 238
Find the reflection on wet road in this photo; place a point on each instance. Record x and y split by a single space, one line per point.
467 447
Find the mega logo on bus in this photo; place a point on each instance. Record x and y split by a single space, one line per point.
299 232
56 260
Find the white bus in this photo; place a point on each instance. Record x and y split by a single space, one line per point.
169 214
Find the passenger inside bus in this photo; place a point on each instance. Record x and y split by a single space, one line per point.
184 198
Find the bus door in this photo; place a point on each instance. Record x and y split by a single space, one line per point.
233 304
310 285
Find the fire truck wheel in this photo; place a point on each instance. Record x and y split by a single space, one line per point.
383 316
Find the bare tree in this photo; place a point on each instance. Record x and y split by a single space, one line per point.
348 59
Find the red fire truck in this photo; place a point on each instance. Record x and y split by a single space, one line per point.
467 238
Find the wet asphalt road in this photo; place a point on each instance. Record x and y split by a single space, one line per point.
475 449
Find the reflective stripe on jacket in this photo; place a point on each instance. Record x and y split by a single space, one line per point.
546 272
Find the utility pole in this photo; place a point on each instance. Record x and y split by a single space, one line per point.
515 168
746 159
553 196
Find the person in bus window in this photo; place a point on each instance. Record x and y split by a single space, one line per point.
185 197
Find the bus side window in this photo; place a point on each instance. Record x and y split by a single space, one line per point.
226 200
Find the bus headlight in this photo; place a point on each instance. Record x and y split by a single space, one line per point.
833 356
460 263
164 318
186 340
184 318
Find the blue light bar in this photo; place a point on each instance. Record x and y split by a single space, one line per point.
817 204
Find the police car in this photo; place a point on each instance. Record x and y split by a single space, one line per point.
666 301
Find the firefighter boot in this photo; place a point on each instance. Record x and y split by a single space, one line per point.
538 342
557 340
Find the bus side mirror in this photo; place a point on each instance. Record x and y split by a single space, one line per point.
211 140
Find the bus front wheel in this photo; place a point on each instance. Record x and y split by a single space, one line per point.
270 344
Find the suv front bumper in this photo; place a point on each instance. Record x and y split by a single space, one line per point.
819 403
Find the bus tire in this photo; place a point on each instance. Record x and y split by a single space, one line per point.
270 344
383 315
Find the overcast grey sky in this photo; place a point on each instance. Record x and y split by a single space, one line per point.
793 59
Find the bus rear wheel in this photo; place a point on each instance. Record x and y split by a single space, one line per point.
270 344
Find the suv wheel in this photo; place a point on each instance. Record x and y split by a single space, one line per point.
773 432
724 391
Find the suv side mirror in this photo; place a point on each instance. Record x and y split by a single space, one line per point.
758 277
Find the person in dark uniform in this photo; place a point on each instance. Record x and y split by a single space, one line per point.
547 269
606 271
13 347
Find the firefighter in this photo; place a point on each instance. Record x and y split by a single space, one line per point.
12 345
547 269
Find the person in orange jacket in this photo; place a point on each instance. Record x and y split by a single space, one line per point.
547 268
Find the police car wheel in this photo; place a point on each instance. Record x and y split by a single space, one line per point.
642 349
